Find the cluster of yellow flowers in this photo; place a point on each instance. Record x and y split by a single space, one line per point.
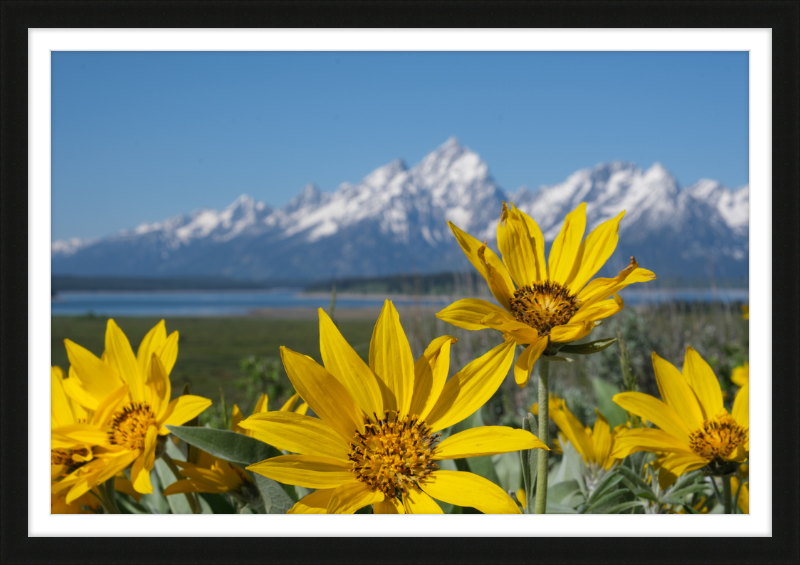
375 437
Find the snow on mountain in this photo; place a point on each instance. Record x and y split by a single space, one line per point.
394 221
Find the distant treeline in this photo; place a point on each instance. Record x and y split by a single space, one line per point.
429 284
437 283
60 283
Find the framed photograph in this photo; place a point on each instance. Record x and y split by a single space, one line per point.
359 258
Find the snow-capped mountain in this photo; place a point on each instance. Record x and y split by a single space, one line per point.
395 221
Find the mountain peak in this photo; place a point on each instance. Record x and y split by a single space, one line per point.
382 175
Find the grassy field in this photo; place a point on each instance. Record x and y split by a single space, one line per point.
211 349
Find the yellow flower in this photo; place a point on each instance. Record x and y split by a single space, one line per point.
543 305
128 396
744 494
210 475
595 445
553 403
746 311
375 441
216 476
261 406
696 430
741 375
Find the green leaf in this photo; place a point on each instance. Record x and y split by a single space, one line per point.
529 460
624 506
633 477
646 494
562 492
608 500
155 501
604 393
587 348
276 501
238 449
217 503
555 508
684 492
129 506
177 502
608 482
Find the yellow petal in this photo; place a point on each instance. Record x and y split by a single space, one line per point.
126 487
326 396
169 352
60 408
599 310
602 288
704 383
314 503
430 373
565 248
183 409
80 434
506 323
344 363
263 402
517 247
497 277
677 393
236 419
391 360
535 233
109 405
526 361
158 386
181 487
120 356
468 313
741 407
152 343
417 502
302 409
466 489
741 375
308 471
388 506
647 439
574 431
470 388
486 440
571 332
349 497
744 495
654 410
296 433
595 251
98 379
601 439
140 473
499 280
675 465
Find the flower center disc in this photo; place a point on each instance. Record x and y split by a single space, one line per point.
129 426
65 457
544 306
393 454
717 439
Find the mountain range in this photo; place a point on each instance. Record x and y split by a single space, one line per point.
395 221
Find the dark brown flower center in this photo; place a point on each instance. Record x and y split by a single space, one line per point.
718 438
129 426
544 306
393 454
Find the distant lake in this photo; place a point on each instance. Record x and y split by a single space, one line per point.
242 303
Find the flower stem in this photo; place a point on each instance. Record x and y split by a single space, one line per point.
544 436
107 497
726 493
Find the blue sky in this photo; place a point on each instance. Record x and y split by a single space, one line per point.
144 136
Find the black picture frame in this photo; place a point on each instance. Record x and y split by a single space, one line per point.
784 20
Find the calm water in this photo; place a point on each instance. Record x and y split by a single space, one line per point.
237 303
